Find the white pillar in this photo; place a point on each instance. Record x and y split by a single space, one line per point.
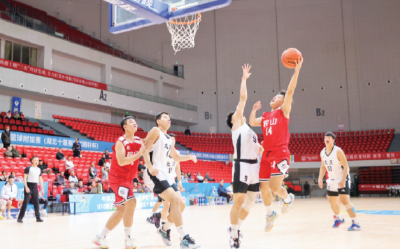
45 58
106 76
2 48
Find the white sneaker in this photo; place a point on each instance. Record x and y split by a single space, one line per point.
10 217
43 213
287 206
130 243
270 221
101 242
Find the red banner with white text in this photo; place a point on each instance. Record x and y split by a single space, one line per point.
352 157
51 74
373 187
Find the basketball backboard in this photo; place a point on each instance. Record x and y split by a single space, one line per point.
126 15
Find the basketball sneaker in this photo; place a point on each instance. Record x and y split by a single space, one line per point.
270 221
130 243
188 242
354 227
165 236
2 217
157 219
338 221
150 220
101 242
43 212
287 206
10 217
240 234
234 243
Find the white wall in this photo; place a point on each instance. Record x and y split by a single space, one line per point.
132 82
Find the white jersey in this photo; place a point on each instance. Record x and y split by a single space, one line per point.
245 142
160 152
171 165
333 165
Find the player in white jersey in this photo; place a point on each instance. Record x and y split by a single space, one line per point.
156 161
246 169
334 161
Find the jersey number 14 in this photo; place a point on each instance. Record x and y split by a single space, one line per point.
268 131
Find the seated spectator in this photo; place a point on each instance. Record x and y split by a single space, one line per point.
16 179
81 188
22 116
15 152
209 178
43 167
187 131
92 175
145 188
8 115
73 178
223 192
69 164
102 161
189 176
104 173
8 197
69 189
135 187
94 188
60 180
184 178
60 155
16 115
8 152
141 170
3 176
199 177
43 201
106 154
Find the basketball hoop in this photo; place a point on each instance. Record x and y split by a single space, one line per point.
183 30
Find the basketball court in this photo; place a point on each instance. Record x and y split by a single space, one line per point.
307 226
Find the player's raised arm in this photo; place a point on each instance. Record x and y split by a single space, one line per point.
343 160
151 138
179 158
243 93
253 121
322 172
287 103
120 154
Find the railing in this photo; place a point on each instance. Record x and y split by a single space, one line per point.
151 98
46 25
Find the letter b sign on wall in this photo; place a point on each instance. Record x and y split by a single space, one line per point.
207 115
320 112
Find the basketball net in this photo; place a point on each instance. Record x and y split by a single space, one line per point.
183 30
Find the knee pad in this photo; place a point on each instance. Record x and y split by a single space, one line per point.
350 206
249 201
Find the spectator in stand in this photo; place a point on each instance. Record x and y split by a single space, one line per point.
69 164
8 152
69 190
205 181
94 167
43 201
16 178
60 155
106 154
22 116
44 167
145 188
223 192
5 137
93 175
15 152
187 131
81 188
60 180
8 115
107 164
104 173
94 188
140 189
73 178
141 170
135 187
102 160
8 197
184 178
208 178
199 177
76 148
189 176
16 116
306 188
3 176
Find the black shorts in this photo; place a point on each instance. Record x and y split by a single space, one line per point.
160 199
159 186
340 191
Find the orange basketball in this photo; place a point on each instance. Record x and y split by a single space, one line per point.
289 56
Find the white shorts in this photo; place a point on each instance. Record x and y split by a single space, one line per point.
147 181
332 187
245 177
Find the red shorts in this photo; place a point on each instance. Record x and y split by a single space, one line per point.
274 163
123 190
15 203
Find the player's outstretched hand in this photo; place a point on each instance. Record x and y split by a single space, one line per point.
153 171
299 63
342 183
193 158
257 106
246 71
320 183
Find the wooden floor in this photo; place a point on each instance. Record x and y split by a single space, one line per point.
308 225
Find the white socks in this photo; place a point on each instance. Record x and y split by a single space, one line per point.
240 223
167 225
234 231
270 210
104 233
181 231
288 199
339 216
127 232
354 220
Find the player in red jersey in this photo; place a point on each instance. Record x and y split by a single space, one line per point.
276 157
124 165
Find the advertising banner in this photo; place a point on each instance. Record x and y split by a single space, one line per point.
202 189
351 157
374 187
16 105
88 203
38 110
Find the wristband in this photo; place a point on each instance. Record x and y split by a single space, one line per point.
180 182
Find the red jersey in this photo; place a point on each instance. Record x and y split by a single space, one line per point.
275 128
127 172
